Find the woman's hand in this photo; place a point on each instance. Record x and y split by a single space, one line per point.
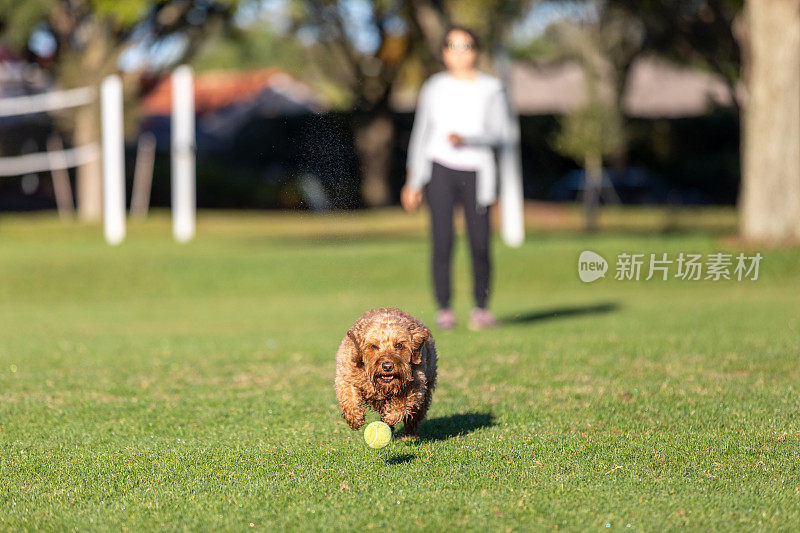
456 139
410 198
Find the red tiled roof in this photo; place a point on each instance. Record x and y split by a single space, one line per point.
216 89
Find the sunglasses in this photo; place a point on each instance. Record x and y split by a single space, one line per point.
459 46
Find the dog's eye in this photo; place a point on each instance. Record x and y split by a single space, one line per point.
372 346
398 346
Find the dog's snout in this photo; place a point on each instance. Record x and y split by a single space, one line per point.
387 366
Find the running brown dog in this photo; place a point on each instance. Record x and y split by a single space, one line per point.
387 360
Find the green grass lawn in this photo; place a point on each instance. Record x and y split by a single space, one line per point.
157 385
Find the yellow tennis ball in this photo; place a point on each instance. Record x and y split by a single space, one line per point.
377 435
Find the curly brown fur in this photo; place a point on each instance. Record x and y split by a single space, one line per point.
387 360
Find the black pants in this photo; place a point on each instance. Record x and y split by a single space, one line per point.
446 188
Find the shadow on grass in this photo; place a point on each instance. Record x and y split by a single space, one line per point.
447 427
400 459
558 312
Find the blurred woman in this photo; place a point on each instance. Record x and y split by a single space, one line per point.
462 115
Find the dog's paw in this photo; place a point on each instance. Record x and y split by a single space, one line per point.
356 425
354 422
392 419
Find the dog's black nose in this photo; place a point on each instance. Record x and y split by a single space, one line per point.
387 366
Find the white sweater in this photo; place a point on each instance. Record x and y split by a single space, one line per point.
478 111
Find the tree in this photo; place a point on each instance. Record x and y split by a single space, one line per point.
604 45
250 48
91 35
605 49
701 33
587 135
756 42
403 47
770 193
356 58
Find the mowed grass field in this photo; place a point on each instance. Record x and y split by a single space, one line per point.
164 386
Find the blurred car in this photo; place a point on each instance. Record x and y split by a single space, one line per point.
633 185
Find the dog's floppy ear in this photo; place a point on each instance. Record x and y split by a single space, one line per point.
419 336
356 334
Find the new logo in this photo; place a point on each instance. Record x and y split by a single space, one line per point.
591 266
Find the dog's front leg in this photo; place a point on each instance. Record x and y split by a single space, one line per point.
414 408
394 411
350 404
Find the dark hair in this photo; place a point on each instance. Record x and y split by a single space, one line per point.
476 42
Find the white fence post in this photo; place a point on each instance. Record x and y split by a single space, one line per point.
183 162
113 160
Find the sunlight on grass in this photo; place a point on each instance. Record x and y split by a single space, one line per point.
155 385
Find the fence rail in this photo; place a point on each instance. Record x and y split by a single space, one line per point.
52 101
